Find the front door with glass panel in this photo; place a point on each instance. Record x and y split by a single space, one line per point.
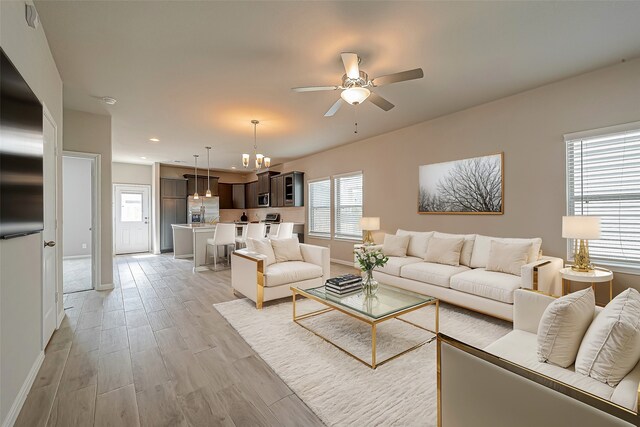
132 219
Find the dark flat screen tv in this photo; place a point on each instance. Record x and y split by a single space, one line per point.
21 155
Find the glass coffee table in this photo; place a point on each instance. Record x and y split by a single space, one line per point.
389 303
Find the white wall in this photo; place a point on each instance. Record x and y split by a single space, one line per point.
76 218
129 173
91 133
21 258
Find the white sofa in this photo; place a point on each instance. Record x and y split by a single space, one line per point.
471 286
251 277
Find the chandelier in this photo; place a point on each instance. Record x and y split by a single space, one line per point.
259 158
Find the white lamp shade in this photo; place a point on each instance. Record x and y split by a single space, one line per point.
355 95
581 227
370 223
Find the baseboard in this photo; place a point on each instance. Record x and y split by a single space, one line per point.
104 287
339 261
12 416
185 256
60 318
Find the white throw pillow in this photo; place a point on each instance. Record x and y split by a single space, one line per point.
444 251
482 247
287 249
611 347
467 246
562 326
263 247
395 245
418 241
508 257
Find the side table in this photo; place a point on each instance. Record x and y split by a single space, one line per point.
598 275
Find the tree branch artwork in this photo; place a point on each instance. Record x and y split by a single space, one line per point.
464 186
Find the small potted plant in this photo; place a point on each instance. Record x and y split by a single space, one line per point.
369 258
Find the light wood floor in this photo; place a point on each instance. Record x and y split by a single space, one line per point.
154 352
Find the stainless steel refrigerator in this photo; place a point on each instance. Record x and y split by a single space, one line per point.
203 210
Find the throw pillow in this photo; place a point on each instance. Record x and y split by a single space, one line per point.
418 241
508 257
562 326
467 246
395 245
611 347
444 251
287 249
482 246
263 247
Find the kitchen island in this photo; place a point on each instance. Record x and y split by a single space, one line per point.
190 241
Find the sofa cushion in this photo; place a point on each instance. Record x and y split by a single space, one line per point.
487 284
611 346
482 247
443 250
395 245
417 243
432 273
282 273
507 257
467 247
286 249
395 263
563 325
520 347
263 247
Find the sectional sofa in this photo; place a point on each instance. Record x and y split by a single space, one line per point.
469 284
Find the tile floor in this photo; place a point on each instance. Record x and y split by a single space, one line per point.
76 275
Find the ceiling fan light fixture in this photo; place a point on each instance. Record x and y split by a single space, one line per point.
355 95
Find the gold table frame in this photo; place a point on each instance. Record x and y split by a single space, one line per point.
366 319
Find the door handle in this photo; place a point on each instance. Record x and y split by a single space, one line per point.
49 244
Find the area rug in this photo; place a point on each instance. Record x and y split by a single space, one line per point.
338 388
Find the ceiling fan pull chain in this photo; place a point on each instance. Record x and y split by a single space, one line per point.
355 117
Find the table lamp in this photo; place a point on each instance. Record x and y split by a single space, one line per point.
581 229
369 224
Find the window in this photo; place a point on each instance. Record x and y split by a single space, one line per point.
603 179
348 206
131 209
320 208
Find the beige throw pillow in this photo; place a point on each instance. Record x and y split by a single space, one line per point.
287 249
562 326
444 251
395 245
508 257
418 241
611 346
467 246
263 247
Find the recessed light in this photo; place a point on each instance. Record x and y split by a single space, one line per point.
233 167
109 100
154 140
143 158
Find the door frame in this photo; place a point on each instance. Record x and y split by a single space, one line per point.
115 198
96 217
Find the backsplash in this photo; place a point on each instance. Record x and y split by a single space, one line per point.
297 215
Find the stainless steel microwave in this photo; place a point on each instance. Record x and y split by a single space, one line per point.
263 200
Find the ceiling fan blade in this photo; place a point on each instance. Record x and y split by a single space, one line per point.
398 77
334 108
313 88
350 61
380 102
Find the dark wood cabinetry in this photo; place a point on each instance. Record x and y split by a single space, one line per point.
287 190
251 195
237 196
277 194
264 181
225 192
173 209
202 184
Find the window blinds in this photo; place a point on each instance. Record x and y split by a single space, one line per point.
320 208
348 206
603 179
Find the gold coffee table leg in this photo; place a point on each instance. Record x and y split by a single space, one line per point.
373 346
437 316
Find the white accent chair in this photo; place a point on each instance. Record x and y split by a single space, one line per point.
285 231
224 235
491 383
251 277
251 231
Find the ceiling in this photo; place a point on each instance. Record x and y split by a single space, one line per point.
196 73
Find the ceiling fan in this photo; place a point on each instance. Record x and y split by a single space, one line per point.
355 84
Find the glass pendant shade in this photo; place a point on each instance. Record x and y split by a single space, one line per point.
267 162
208 193
355 95
245 160
196 196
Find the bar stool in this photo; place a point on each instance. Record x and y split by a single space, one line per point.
251 231
273 230
225 235
285 231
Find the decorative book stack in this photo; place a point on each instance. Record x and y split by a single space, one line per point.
343 285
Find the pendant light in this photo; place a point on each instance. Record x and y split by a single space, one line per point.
208 194
260 160
195 195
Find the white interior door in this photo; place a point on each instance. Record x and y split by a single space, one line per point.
131 219
50 266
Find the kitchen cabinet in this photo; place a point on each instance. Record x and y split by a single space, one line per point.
287 190
277 191
264 181
237 196
225 192
202 184
251 195
173 188
173 209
